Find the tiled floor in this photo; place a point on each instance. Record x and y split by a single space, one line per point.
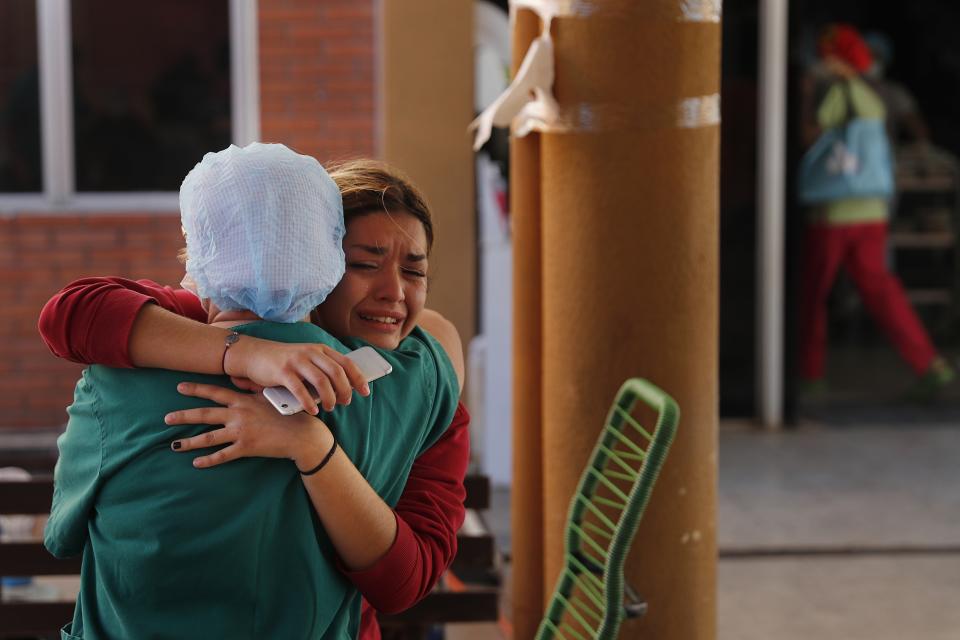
847 532
843 598
867 518
864 486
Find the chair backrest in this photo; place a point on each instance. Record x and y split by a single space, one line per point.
588 600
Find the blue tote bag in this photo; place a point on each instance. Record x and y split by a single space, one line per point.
853 160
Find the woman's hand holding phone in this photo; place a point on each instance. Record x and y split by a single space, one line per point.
253 363
373 366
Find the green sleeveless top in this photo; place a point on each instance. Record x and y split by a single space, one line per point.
235 551
831 113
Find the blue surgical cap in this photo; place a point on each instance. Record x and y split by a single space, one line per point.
264 229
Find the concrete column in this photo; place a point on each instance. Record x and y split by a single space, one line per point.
526 531
424 100
629 202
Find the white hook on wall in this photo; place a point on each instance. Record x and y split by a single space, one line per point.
528 103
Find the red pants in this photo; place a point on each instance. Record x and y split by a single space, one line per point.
861 249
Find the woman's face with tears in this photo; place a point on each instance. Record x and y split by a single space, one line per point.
384 288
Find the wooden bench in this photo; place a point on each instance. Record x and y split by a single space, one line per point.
454 599
19 619
449 602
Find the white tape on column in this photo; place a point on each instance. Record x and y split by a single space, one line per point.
528 104
671 10
702 111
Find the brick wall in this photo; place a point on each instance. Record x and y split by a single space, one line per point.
316 76
317 96
38 255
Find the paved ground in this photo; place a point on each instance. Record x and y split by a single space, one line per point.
865 524
847 531
853 598
819 486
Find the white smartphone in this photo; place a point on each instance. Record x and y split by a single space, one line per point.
372 366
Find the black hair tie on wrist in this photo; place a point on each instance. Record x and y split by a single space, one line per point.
325 460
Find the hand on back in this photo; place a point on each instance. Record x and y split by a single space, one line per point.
251 428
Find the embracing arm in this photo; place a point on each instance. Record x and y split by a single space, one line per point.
131 323
138 323
429 514
370 537
92 320
375 544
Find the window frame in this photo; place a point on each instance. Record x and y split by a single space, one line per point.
59 195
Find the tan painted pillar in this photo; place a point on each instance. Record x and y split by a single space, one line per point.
526 498
629 283
424 101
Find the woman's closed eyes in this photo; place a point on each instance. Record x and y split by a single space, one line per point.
373 266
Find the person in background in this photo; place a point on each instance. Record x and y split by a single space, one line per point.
125 323
852 232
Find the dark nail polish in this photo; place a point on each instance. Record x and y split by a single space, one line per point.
176 445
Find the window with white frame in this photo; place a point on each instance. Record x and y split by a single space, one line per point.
20 168
113 101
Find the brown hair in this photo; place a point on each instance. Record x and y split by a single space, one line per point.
369 186
182 255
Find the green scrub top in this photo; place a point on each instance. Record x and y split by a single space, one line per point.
235 551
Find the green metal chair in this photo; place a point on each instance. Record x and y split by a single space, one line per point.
589 599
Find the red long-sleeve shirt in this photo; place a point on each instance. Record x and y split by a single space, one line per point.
89 321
